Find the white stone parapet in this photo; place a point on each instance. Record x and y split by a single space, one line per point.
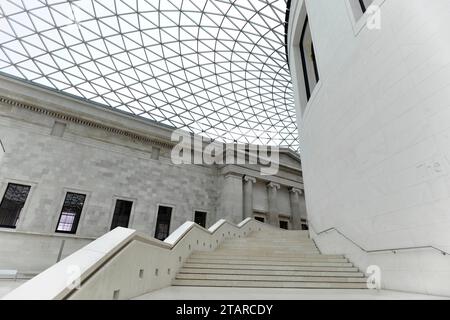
124 263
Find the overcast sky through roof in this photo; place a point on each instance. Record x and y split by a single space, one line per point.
214 67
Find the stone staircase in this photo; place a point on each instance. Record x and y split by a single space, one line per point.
275 259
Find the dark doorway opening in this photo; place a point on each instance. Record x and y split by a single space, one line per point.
122 214
200 218
284 225
163 223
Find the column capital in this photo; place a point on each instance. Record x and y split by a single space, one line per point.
296 190
250 179
273 185
233 175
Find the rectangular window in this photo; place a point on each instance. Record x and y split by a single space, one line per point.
260 219
12 204
359 7
305 225
163 223
122 214
155 153
71 213
309 63
284 225
364 4
200 218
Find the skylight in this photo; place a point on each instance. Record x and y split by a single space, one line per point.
213 67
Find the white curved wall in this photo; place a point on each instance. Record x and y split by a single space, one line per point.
376 136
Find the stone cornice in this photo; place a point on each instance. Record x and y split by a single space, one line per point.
233 175
242 170
84 122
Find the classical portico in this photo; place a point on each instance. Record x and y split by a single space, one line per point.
295 210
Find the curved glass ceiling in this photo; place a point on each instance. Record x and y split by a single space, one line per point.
214 67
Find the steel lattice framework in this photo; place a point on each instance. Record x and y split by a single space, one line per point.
214 67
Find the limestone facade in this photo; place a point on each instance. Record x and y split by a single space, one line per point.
57 144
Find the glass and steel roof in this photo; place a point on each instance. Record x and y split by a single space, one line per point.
214 67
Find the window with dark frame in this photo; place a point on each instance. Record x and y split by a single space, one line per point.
122 213
309 63
365 4
163 222
284 225
12 204
260 219
304 225
71 213
200 218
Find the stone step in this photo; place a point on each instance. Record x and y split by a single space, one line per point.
238 267
244 254
269 248
260 240
276 238
264 260
272 259
239 277
268 244
280 234
269 284
271 263
354 274
260 252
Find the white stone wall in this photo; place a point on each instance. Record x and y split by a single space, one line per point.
100 169
56 145
375 136
31 253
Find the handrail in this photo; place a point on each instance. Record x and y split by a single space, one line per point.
393 250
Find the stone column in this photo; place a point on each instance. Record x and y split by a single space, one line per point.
272 190
231 198
248 196
296 210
